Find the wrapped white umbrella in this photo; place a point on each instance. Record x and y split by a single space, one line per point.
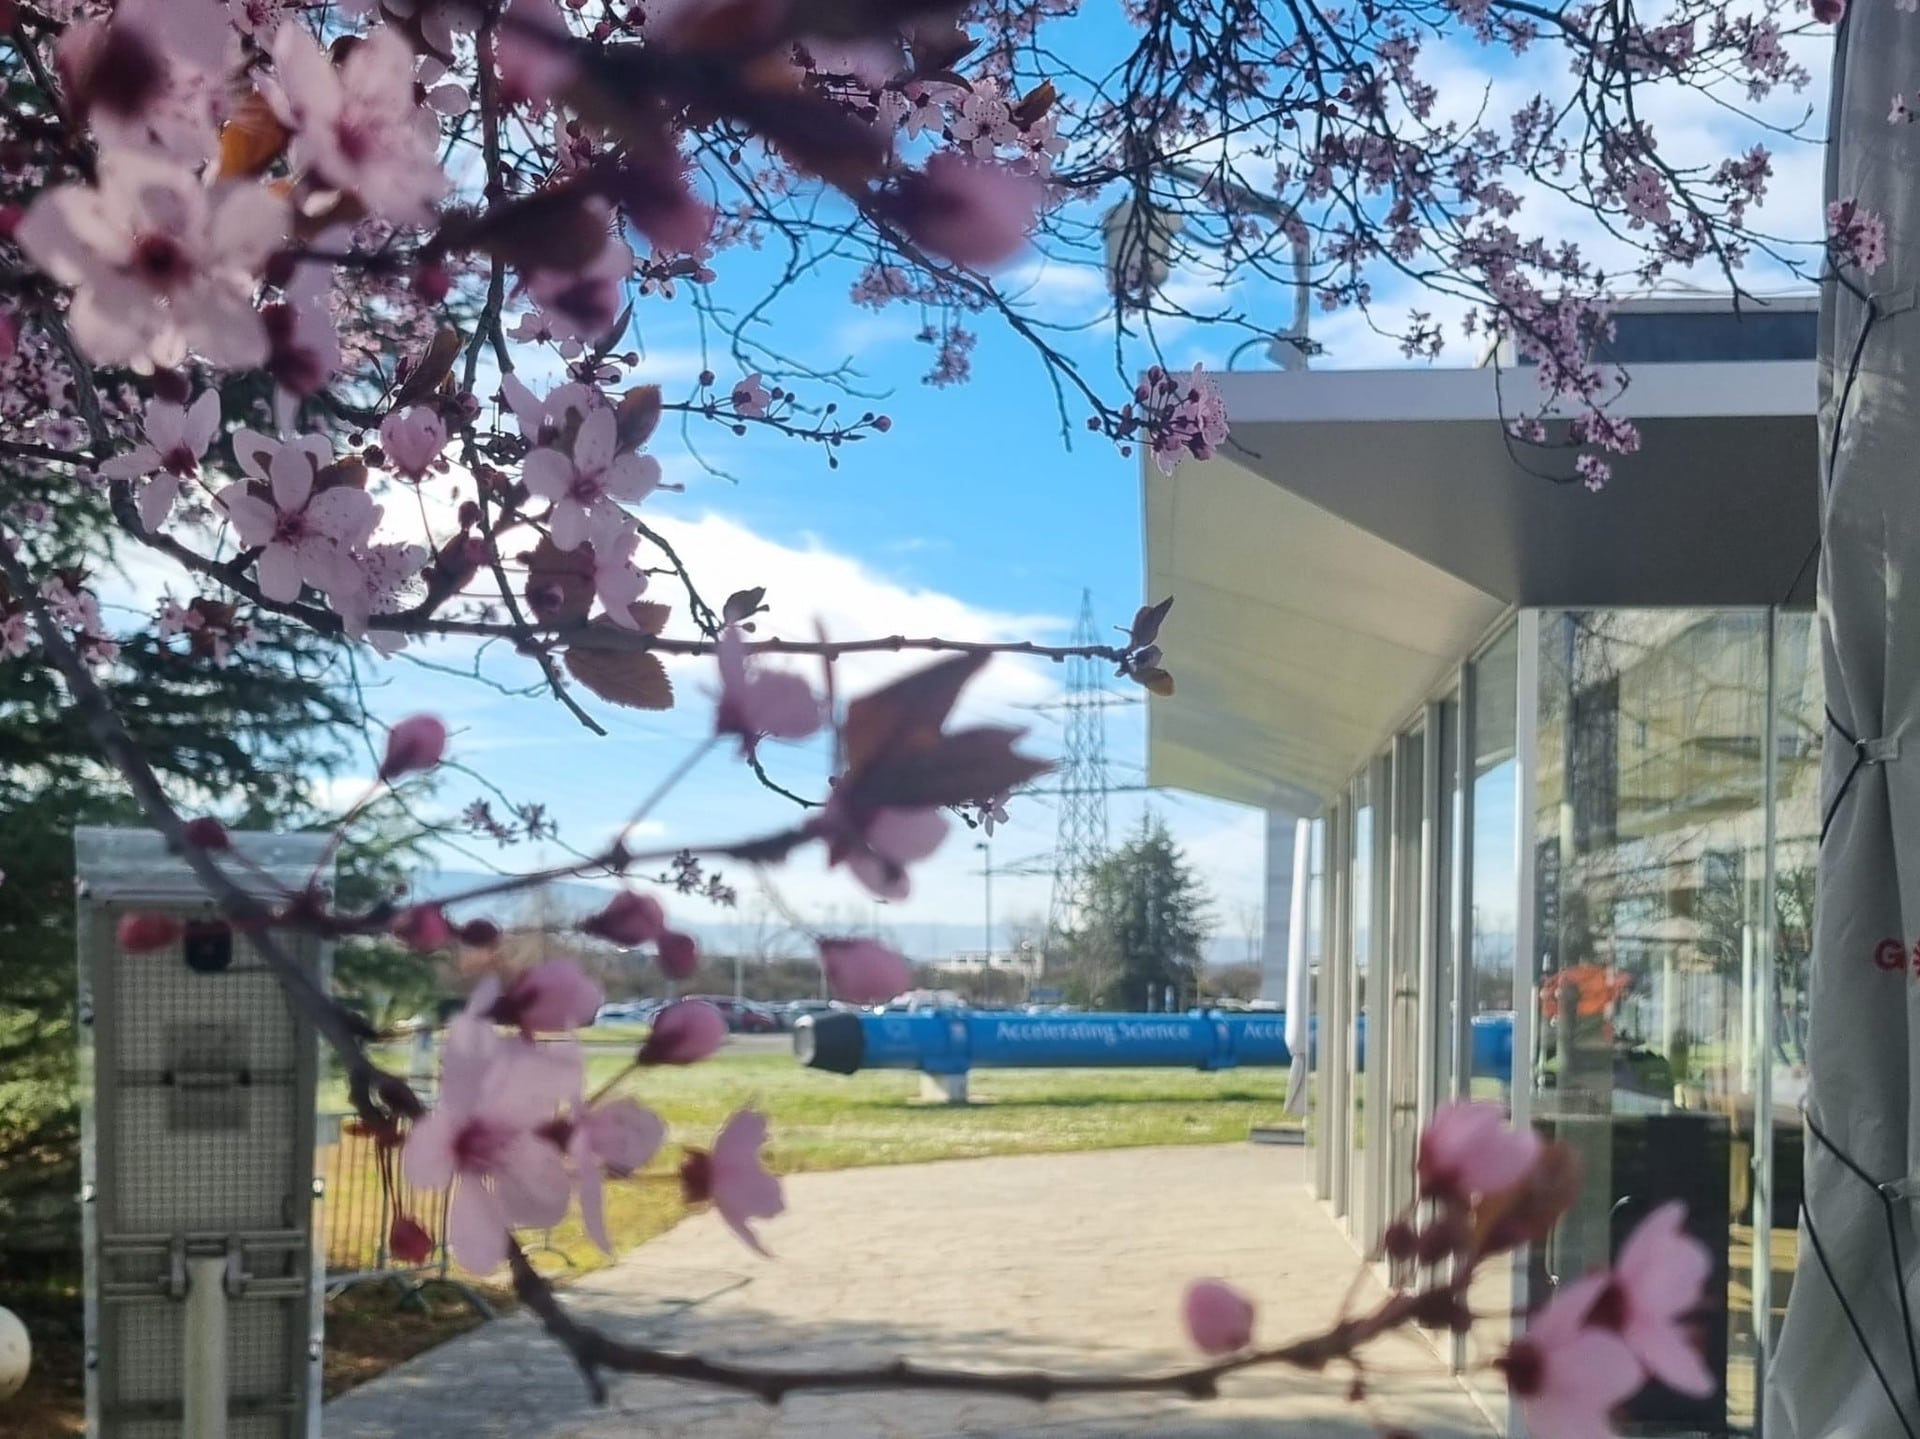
1846 1364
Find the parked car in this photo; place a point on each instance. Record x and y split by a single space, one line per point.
626 1011
743 1016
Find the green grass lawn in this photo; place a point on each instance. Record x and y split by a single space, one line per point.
823 1121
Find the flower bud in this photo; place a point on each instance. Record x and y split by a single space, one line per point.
412 745
144 933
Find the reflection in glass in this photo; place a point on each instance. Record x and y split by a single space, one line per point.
1650 827
1360 930
1493 925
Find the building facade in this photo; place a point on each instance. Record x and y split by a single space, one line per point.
1562 765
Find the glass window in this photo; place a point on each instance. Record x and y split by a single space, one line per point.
1360 944
1799 728
1650 830
1493 922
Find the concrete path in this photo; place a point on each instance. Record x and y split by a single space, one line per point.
1062 1261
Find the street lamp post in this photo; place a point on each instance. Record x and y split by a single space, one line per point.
986 874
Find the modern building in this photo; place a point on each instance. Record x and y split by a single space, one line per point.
1561 751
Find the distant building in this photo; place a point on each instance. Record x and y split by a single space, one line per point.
1026 960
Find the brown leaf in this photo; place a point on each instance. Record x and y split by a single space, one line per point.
743 604
559 586
431 368
636 415
634 678
648 617
965 767
251 140
1034 107
1147 621
906 715
1157 681
939 45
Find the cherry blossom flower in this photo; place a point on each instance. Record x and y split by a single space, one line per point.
160 265
413 439
408 1240
176 437
975 214
732 1178
685 1032
617 580
878 845
751 399
1468 1150
756 702
1829 12
629 920
530 69
303 343
1219 1318
152 76
1567 1375
864 971
485 1139
542 420
356 125
372 579
1659 1278
583 304
423 928
1856 234
586 483
613 1138
678 956
416 743
552 997
303 537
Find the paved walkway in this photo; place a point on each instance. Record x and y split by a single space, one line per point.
1064 1261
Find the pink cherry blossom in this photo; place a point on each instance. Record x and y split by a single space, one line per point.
582 304
413 439
1219 1318
423 928
303 537
970 212
879 844
303 343
1659 1279
586 483
751 398
756 702
530 69
160 265
1567 1375
176 437
152 77
614 1138
685 1032
678 956
617 580
630 919
552 997
864 971
356 125
486 1139
416 743
372 580
732 1178
1468 1150
543 420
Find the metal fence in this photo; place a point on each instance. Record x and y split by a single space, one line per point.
357 1213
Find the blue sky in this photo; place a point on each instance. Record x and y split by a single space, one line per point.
974 517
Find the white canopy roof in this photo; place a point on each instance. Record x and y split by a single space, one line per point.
1372 525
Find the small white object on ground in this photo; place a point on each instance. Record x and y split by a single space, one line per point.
16 1354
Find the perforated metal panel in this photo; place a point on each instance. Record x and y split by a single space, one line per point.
198 1086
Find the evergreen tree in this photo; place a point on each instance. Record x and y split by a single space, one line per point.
1146 924
244 740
